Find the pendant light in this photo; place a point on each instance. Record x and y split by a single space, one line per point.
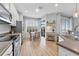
76 11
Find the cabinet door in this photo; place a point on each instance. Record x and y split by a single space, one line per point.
4 14
6 5
8 52
17 46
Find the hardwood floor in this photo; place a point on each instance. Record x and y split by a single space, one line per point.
39 48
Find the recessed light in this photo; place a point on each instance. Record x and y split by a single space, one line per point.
26 11
56 5
37 10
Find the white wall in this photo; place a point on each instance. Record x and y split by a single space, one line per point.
4 28
58 23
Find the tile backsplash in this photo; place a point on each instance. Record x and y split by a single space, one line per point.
4 28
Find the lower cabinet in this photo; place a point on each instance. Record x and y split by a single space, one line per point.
66 52
8 52
17 46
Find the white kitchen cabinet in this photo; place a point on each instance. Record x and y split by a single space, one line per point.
6 5
15 16
11 8
66 52
8 52
5 15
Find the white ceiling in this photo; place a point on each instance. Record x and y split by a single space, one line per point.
64 8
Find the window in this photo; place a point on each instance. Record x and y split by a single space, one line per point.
66 24
32 25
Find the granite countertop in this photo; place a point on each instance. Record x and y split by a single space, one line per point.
4 46
72 45
14 34
9 37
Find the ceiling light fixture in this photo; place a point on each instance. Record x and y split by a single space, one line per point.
56 5
38 9
76 11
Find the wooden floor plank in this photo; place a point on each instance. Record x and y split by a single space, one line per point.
35 48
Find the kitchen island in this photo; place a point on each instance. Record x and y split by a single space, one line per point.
68 47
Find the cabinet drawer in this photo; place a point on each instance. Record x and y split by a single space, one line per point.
8 52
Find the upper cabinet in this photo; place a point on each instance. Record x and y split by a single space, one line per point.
15 15
5 15
11 8
6 5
